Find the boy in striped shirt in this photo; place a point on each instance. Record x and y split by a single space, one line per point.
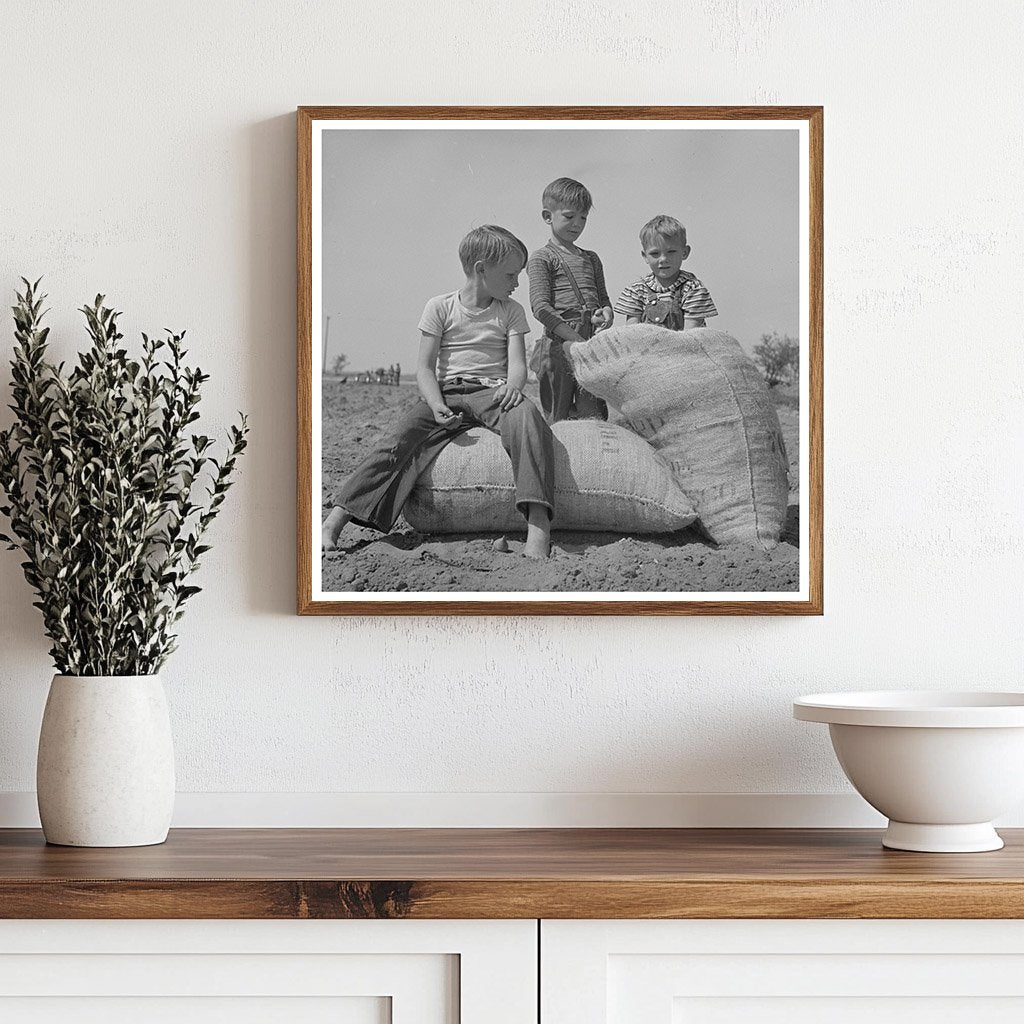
668 295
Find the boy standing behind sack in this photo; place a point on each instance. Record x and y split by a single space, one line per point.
568 296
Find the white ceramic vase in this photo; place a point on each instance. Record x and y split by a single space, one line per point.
105 771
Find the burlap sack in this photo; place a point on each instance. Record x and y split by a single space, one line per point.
700 401
606 478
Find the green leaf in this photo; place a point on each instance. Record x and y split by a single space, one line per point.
98 470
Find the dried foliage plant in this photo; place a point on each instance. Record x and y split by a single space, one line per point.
108 494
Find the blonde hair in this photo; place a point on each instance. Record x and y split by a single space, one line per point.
662 226
491 244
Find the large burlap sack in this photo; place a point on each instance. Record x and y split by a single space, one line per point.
606 478
699 400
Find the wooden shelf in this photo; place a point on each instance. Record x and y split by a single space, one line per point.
508 873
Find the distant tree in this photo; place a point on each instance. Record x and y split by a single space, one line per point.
779 358
338 367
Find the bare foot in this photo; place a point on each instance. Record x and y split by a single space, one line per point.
538 533
332 527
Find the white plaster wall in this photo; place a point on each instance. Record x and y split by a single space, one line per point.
147 151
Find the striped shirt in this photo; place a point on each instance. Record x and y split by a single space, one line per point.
551 294
694 299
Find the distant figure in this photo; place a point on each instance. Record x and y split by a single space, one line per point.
391 374
398 374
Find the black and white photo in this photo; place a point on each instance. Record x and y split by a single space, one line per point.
559 363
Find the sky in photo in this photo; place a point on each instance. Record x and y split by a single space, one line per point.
396 203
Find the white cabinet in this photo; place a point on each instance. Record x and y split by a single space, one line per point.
782 972
486 972
258 972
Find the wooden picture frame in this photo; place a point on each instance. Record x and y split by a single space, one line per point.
806 598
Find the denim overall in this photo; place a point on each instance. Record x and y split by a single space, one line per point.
662 308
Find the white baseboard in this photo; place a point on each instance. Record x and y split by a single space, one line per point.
504 810
495 810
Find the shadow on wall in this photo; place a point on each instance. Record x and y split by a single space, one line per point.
21 626
270 329
21 637
266 179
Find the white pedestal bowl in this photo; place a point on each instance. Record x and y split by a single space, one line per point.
940 766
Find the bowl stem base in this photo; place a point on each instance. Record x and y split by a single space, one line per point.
977 838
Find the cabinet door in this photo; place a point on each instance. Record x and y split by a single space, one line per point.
782 972
258 972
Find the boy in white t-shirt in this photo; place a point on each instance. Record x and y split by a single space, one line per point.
471 372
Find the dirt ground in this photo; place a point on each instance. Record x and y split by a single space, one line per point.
355 415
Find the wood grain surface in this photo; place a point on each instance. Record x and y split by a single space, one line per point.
812 506
508 873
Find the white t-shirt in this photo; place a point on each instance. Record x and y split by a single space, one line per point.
474 343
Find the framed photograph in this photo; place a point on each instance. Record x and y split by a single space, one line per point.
559 361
